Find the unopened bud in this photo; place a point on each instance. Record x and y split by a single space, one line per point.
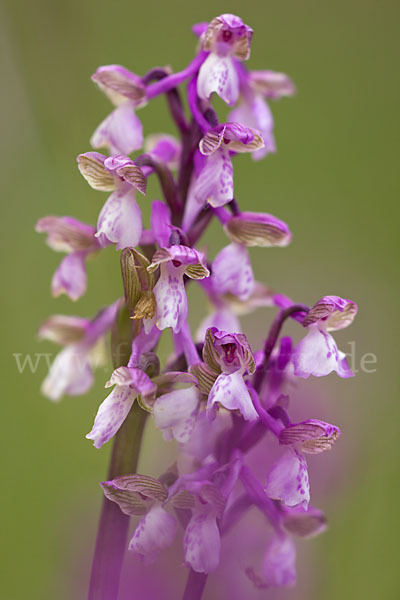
136 279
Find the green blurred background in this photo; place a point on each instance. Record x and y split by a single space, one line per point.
334 180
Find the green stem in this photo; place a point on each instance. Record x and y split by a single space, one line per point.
113 525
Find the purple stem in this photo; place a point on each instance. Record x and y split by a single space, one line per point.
273 338
190 143
194 586
167 182
171 81
193 100
173 98
251 437
199 226
185 341
234 206
235 512
222 214
258 496
269 422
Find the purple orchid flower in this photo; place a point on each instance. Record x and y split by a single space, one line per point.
155 532
169 291
129 383
164 146
317 354
175 413
227 38
312 436
145 496
120 220
65 234
288 479
209 489
232 272
229 356
214 183
256 87
174 261
257 229
121 132
71 372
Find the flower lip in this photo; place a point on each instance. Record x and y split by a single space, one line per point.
331 312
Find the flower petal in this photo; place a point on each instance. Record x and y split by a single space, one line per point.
231 392
240 138
181 256
176 413
69 374
170 294
120 220
111 414
318 355
161 223
228 34
155 532
331 312
227 351
215 182
258 229
305 524
120 84
271 84
223 319
64 329
232 272
65 234
135 378
288 480
202 543
218 74
70 277
279 566
164 146
121 132
313 436
123 167
91 167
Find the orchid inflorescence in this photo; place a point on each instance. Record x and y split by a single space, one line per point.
216 397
